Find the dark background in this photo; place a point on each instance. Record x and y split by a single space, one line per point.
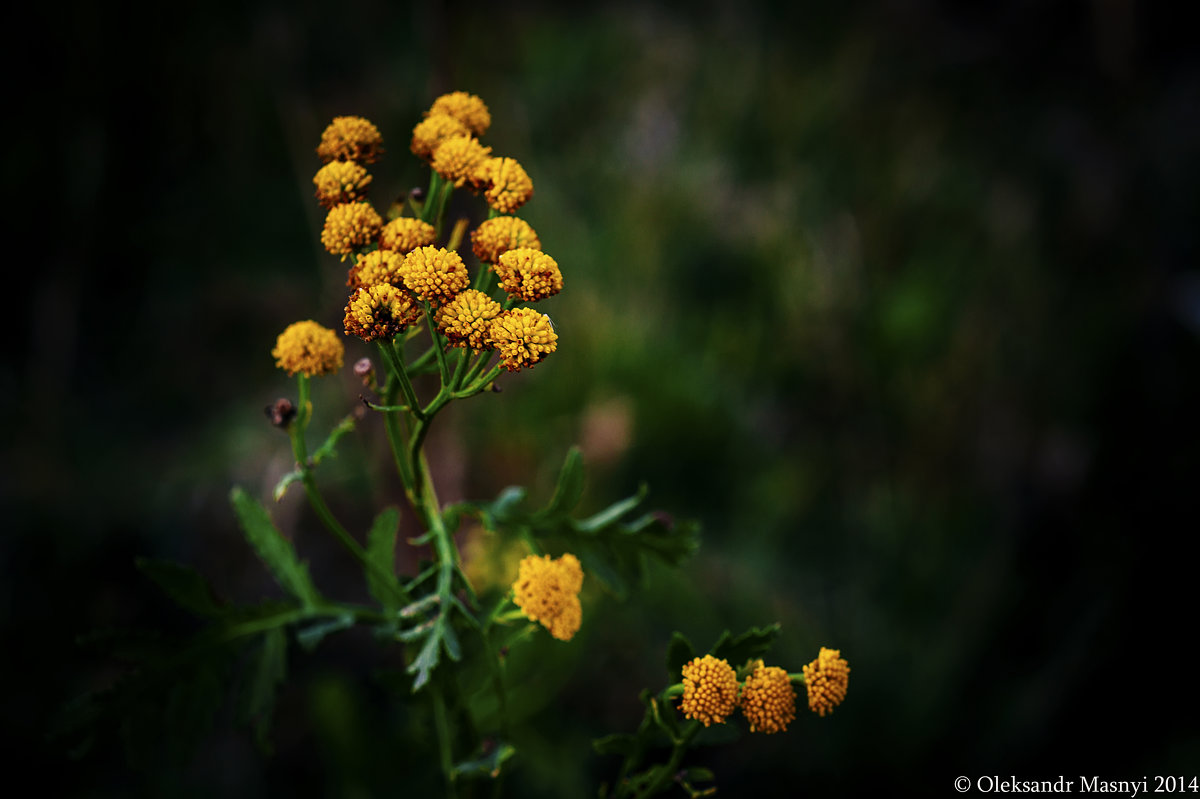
899 301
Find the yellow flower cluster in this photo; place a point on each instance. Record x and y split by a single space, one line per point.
431 132
508 184
350 139
309 348
404 234
523 337
710 690
377 266
434 274
827 678
466 320
767 699
498 235
528 274
340 182
466 108
547 591
350 226
459 159
380 312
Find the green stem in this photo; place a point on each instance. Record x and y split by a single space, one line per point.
441 723
399 372
438 350
666 772
479 384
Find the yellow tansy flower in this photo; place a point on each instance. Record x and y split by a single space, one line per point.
350 226
458 159
466 108
431 132
827 678
547 591
523 337
375 267
434 274
309 348
768 700
350 139
380 312
498 235
467 318
340 182
710 690
405 233
508 185
528 274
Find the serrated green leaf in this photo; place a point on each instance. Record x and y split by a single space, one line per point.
450 639
273 549
679 652
612 513
569 488
329 447
282 486
311 635
487 766
752 644
506 507
183 585
426 661
268 671
381 551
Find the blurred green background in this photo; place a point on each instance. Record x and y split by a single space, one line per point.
900 301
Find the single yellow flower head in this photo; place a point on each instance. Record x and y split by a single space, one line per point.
405 233
498 235
768 700
508 185
710 690
467 318
380 312
827 678
431 132
528 274
466 108
340 182
547 591
375 267
350 226
458 158
434 274
350 139
523 337
309 348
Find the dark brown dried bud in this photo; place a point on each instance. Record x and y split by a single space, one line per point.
281 412
365 370
417 194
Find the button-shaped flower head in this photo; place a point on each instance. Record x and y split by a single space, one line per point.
507 184
380 312
459 158
523 337
350 226
467 319
710 690
434 130
309 348
547 591
350 139
340 182
466 108
375 267
405 234
768 700
498 235
434 274
528 274
827 678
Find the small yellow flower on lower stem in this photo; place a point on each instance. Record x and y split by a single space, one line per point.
508 184
768 700
380 312
340 182
405 234
528 274
431 132
350 139
434 274
498 235
466 319
350 226
466 108
523 337
375 267
827 678
309 348
458 158
710 690
547 591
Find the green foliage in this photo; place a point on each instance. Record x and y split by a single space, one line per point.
381 554
275 551
183 585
